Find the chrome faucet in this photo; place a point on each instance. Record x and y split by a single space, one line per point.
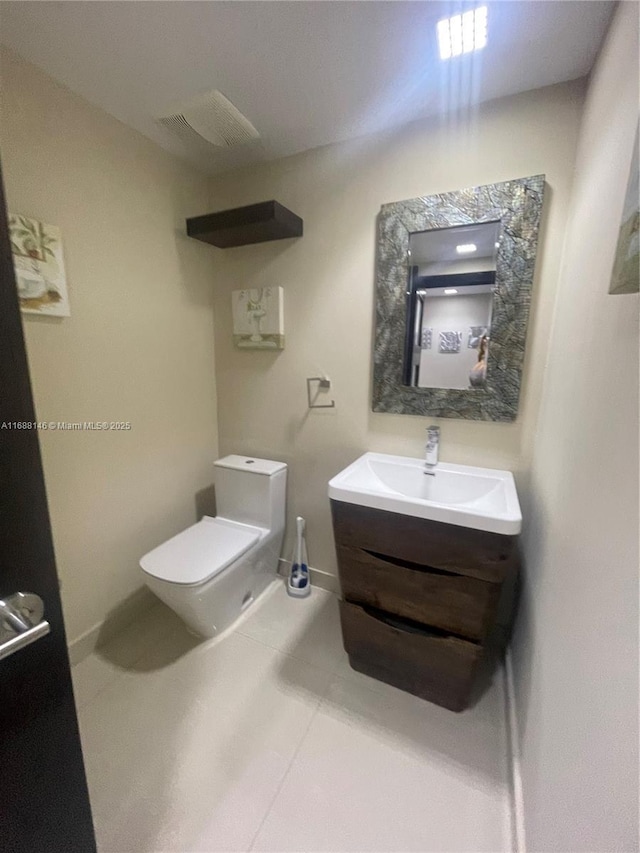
431 450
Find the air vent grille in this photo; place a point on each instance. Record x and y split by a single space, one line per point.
180 126
213 118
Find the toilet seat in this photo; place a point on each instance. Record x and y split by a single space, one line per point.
201 551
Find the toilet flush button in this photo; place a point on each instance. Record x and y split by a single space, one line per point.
249 461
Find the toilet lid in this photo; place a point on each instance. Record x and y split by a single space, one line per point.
200 551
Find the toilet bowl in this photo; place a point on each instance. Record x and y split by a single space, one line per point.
214 570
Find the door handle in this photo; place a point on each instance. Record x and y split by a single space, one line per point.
21 622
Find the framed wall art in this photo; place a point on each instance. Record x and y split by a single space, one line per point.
39 266
258 318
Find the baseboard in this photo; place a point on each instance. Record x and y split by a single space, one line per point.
519 844
114 622
321 579
82 646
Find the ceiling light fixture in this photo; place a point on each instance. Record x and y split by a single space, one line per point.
466 248
449 291
462 33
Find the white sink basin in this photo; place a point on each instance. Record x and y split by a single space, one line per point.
481 498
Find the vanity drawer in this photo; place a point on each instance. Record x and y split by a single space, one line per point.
461 550
456 603
429 664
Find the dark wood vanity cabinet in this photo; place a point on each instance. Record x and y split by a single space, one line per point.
426 606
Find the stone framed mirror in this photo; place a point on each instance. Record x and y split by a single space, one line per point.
453 290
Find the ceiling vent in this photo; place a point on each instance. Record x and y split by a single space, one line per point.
213 118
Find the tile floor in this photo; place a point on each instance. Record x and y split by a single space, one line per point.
267 740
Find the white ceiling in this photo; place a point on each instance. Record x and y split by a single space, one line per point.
304 73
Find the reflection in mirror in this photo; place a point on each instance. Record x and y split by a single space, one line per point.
452 274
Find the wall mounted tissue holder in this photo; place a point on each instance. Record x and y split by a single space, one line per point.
323 384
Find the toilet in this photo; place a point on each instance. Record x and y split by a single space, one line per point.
214 570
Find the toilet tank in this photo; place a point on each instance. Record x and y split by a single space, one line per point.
251 490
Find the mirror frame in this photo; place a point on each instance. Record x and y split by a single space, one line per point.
518 206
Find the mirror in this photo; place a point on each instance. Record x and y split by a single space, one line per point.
453 289
452 274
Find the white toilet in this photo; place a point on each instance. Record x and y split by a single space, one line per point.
213 571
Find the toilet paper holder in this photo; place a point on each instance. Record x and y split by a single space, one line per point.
323 384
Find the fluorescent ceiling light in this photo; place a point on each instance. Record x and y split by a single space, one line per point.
449 291
466 248
462 33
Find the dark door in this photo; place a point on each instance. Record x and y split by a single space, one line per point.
44 803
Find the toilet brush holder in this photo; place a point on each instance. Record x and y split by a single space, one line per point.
299 580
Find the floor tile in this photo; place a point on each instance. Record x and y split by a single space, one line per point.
349 791
306 628
474 740
267 740
185 797
189 736
92 674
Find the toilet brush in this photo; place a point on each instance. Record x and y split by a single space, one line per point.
298 584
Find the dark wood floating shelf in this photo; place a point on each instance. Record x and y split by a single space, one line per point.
256 223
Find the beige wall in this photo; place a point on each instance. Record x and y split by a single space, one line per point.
576 648
328 279
138 346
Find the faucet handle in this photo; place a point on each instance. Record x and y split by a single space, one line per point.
431 449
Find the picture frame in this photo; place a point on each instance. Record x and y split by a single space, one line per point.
38 261
258 318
